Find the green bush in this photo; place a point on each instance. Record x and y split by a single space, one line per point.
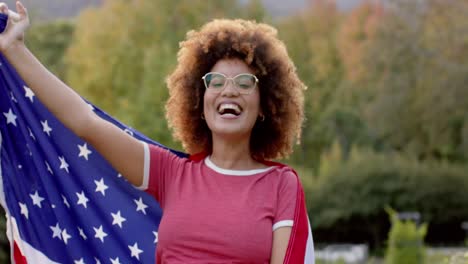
405 241
346 203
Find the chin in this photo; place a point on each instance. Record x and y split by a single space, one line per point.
231 132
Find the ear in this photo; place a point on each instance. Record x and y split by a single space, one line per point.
261 117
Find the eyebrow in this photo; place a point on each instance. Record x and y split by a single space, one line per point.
225 75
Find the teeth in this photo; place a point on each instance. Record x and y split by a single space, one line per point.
234 107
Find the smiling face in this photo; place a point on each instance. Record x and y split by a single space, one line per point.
229 113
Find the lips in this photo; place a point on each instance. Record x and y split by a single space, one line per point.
229 108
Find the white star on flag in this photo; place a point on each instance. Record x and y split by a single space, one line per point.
140 205
11 118
82 234
80 261
155 237
29 93
31 134
37 200
48 168
84 151
13 98
115 261
45 127
100 233
29 149
97 261
101 186
65 236
65 201
128 131
135 251
118 219
82 199
57 232
63 164
24 210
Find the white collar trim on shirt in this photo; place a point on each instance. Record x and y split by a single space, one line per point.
212 166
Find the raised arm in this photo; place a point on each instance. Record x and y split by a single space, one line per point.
125 153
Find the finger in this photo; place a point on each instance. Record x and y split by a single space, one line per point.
21 9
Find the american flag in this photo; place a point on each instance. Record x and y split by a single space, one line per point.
64 203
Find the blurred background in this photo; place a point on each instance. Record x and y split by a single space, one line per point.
384 151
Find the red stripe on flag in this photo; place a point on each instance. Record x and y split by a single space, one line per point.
298 241
17 256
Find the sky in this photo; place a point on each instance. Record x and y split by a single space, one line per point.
66 8
287 7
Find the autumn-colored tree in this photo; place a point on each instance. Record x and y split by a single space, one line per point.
355 36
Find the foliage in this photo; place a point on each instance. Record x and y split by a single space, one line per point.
405 241
49 41
346 203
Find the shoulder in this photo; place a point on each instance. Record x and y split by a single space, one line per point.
285 176
156 150
282 170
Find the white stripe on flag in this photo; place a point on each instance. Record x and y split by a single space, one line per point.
309 254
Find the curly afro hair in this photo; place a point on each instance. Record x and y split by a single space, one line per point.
281 91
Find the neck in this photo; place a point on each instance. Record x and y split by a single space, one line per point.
233 154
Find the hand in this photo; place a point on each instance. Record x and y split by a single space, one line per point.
17 24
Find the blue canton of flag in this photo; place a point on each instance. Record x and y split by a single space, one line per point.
64 202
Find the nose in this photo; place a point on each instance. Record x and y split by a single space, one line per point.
230 88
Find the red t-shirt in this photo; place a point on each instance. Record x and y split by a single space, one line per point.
213 215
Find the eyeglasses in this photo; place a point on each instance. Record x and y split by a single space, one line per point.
245 83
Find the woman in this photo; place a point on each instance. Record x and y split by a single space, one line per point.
235 99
